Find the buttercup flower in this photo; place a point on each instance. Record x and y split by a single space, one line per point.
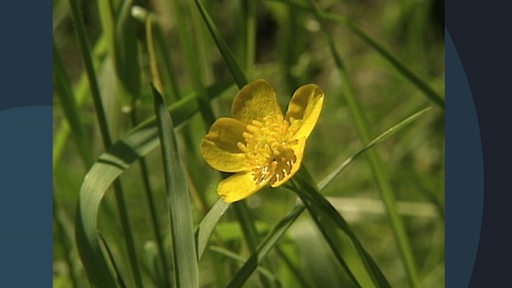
259 144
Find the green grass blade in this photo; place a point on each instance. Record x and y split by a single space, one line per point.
249 33
186 270
264 247
82 91
324 182
223 47
67 100
208 224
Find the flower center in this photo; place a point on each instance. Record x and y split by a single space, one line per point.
268 149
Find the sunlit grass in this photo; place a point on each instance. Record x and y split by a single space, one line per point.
376 154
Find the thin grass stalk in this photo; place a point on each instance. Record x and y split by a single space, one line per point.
106 138
249 10
186 270
265 272
229 58
68 105
260 252
152 207
331 241
378 172
299 277
81 90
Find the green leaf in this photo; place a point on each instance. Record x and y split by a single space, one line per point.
223 47
186 271
208 224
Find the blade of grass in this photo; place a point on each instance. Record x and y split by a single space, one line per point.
153 211
299 277
249 39
380 138
377 168
136 143
223 47
67 100
397 64
107 141
82 91
208 224
186 270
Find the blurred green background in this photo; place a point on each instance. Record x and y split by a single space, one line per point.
284 43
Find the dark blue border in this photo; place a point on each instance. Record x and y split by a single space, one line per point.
464 187
481 34
26 144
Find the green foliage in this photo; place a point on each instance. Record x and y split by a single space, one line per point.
136 206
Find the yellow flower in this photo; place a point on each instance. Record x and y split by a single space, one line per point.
259 144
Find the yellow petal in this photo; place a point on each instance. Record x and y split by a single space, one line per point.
219 147
304 110
238 186
298 150
255 101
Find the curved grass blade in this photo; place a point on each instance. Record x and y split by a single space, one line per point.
107 141
186 270
207 225
380 138
136 143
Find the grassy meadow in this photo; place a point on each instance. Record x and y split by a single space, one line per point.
138 84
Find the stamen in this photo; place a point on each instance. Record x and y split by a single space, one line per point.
268 149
